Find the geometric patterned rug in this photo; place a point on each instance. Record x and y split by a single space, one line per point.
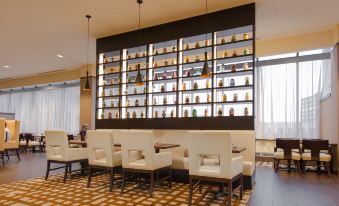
74 192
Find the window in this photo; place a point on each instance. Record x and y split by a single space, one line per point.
288 96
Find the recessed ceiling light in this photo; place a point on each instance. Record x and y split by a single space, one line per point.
6 66
60 56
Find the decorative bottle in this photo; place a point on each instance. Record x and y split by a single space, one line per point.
165 63
109 115
246 51
246 111
127 103
102 116
134 115
186 113
220 83
224 98
222 41
207 84
219 112
188 73
245 36
164 101
231 112
187 100
233 68
156 52
142 114
174 61
245 66
232 83
197 58
197 99
208 98
174 74
155 76
207 43
112 103
206 113
225 54
247 96
235 97
172 113
127 115
174 49
103 93
136 103
164 50
197 45
162 88
187 46
234 38
173 87
194 113
164 76
247 81
186 60
184 87
117 115
234 53
163 114
195 85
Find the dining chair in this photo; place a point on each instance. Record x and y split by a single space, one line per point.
227 170
149 163
318 151
2 141
289 150
13 144
102 154
58 151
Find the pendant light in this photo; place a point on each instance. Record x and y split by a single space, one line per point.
87 83
206 70
138 79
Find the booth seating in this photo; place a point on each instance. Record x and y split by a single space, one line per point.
151 163
58 151
13 145
101 154
226 170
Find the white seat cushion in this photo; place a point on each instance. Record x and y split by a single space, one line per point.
280 155
180 163
248 168
323 156
139 163
33 143
210 169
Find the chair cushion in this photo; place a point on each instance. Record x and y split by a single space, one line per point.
210 169
33 143
139 162
248 168
180 163
323 156
280 155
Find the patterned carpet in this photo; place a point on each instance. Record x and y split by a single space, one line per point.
74 192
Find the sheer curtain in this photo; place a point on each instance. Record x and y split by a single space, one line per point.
288 99
49 109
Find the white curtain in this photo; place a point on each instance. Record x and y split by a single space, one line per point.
288 99
49 109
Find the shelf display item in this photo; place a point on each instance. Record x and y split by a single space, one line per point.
112 81
155 76
173 87
246 51
127 103
174 49
163 114
207 43
233 68
144 90
112 103
187 100
183 87
245 36
174 74
195 85
172 113
247 81
186 113
234 38
145 53
154 101
162 88
135 91
164 101
247 96
155 64
235 97
110 93
103 93
145 102
187 47
103 104
232 82
224 98
197 45
246 111
245 66
129 80
206 113
164 76
186 60
194 113
208 84
129 56
142 114
118 103
134 115
231 112
222 41
197 58
219 112
174 61
102 116
164 50
136 103
225 54
104 82
137 55
117 115
156 52
234 54
129 68
165 63
220 83
188 73
208 98
156 114
175 101
109 115
197 99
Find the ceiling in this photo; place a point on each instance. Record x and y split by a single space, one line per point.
34 32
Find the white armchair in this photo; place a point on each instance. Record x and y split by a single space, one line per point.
226 170
2 142
58 151
13 144
102 154
136 142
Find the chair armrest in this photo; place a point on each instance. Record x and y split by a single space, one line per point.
162 159
237 165
76 153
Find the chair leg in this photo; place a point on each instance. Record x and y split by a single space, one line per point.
170 178
289 165
277 162
229 196
48 168
190 191
242 186
151 186
327 166
7 154
3 158
318 167
66 172
70 170
89 176
111 180
299 166
17 153
123 181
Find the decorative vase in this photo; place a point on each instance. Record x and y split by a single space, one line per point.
219 112
233 68
136 103
163 114
197 45
187 100
247 81
245 36
231 112
134 115
102 116
235 97
247 96
109 115
195 85
164 101
206 113
194 113
220 83
186 113
245 66
224 98
232 83
234 38
197 99
162 88
246 111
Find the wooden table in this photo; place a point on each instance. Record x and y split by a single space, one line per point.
158 146
77 142
238 149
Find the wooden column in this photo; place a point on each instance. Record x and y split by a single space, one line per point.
87 98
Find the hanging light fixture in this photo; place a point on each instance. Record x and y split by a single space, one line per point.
87 82
206 72
138 79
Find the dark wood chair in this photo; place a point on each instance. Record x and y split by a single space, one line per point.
316 150
289 150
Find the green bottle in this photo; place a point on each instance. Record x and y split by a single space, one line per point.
194 113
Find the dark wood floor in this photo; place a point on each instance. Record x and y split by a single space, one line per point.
272 189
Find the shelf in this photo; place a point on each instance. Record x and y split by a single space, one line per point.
195 90
163 80
201 104
135 58
129 95
192 49
108 107
109 85
108 97
161 67
131 107
162 93
112 62
234 42
236 73
163 105
162 54
195 77
134 70
235 87
235 102
109 73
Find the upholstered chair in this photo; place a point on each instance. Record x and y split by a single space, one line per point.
151 163
102 154
13 144
318 151
227 170
58 151
2 142
289 150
